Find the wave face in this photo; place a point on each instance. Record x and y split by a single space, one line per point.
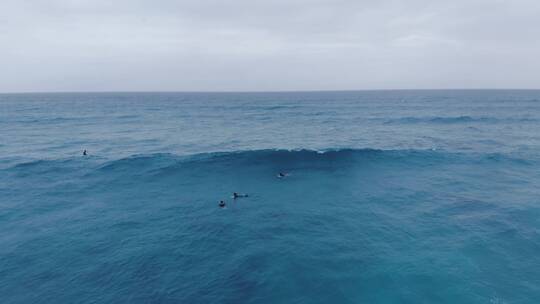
442 206
369 225
460 120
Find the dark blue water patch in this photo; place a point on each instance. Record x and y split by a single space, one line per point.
128 116
46 168
458 120
139 165
38 120
147 228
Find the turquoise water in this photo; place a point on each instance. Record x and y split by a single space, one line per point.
391 197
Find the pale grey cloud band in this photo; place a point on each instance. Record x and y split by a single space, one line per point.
99 45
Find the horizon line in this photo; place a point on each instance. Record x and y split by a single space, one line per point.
266 91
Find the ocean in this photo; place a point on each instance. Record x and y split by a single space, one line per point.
389 197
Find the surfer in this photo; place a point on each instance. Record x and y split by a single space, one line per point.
281 175
221 204
236 195
84 153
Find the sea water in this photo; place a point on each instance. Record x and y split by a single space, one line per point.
390 197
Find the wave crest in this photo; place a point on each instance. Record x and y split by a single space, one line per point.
456 120
142 163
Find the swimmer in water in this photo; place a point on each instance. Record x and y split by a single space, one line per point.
221 204
84 153
236 195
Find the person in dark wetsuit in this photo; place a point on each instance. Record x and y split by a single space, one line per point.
221 204
84 153
281 175
236 195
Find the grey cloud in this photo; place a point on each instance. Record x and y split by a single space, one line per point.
63 45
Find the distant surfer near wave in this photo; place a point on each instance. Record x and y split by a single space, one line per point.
282 175
221 204
84 153
237 195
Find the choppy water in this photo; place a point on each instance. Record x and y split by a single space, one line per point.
392 197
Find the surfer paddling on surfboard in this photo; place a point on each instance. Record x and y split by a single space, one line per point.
282 175
236 195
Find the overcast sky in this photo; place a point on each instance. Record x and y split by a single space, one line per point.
217 45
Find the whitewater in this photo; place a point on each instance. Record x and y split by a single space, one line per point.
391 197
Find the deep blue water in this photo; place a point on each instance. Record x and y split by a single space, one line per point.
391 197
